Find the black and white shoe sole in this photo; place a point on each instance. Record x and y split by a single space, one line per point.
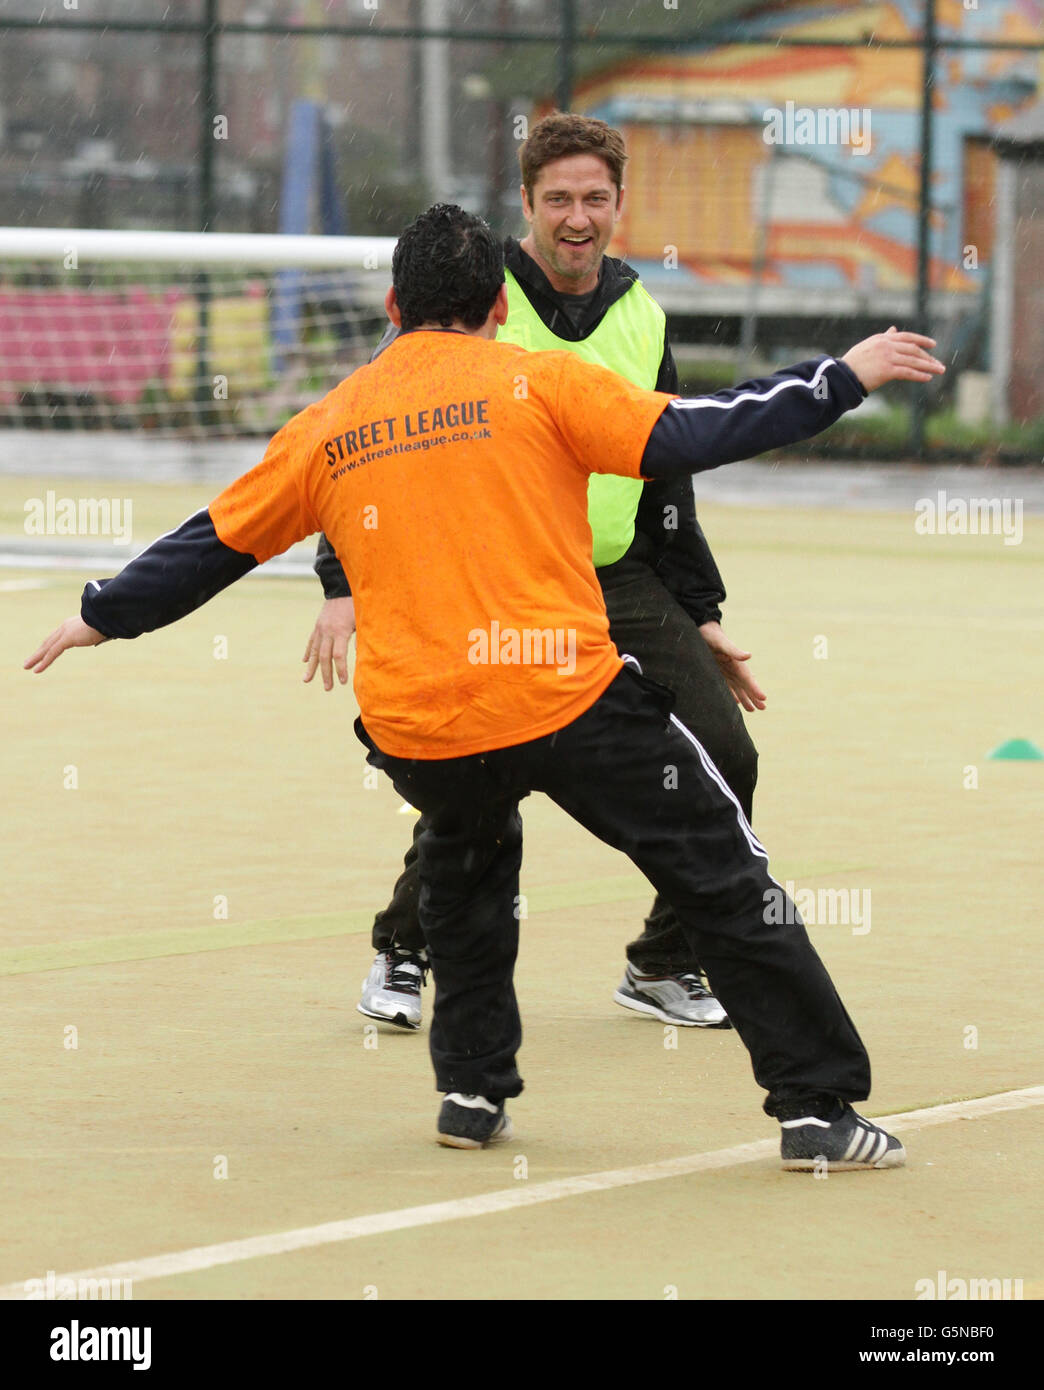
894 1158
399 1021
504 1131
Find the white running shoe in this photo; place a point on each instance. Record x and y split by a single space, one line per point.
682 999
391 991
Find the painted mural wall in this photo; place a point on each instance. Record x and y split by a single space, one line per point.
804 163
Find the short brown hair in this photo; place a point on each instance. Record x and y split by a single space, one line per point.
561 134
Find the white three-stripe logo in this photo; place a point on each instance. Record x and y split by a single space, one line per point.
865 1146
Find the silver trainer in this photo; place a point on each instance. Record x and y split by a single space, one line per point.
683 999
391 991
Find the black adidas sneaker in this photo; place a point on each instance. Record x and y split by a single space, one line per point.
471 1122
842 1143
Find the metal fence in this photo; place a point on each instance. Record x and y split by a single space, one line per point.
141 114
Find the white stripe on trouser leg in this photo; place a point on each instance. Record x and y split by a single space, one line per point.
708 766
708 763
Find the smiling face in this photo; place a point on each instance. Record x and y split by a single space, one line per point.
572 214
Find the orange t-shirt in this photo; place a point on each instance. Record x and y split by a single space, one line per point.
450 476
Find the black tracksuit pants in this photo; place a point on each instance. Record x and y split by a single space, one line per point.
647 623
634 776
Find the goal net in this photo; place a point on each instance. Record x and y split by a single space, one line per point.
181 333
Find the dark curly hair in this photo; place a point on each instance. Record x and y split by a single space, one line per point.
448 267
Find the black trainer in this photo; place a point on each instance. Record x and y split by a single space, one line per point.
841 1143
471 1122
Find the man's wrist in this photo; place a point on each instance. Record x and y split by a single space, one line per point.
851 372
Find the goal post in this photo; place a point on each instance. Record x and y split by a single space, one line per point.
247 250
181 332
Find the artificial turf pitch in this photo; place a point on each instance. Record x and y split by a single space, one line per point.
210 785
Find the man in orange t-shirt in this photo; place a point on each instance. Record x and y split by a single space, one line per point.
435 414
458 465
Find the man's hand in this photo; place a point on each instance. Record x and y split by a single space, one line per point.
745 689
893 356
74 632
328 644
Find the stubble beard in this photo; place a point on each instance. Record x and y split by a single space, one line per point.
564 266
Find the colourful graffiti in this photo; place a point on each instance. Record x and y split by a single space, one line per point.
733 165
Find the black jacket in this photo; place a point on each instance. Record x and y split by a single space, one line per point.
667 534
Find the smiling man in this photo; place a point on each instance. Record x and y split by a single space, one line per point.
572 205
661 587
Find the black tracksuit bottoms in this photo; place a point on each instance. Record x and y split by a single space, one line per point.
633 775
649 624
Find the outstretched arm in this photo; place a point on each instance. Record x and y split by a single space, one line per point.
795 404
169 579
258 516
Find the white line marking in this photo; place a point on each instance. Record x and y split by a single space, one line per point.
505 1199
